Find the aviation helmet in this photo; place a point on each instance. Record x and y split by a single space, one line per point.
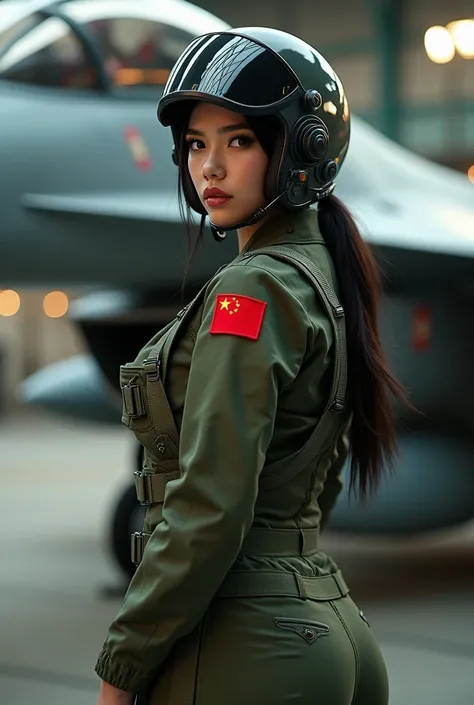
260 72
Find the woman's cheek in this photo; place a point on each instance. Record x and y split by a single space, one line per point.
193 170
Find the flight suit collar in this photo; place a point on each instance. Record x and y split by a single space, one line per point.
292 226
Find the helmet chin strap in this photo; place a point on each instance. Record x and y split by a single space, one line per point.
219 231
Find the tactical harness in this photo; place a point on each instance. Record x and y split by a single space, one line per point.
147 413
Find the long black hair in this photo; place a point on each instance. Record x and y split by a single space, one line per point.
194 233
373 437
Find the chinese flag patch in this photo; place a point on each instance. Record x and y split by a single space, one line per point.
238 315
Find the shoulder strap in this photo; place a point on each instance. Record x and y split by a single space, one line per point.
287 468
183 317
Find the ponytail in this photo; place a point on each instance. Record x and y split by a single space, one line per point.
370 382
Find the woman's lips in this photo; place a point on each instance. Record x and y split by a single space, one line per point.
215 197
216 201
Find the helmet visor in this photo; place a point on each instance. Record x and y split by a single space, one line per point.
231 68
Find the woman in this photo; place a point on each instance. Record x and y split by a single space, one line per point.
264 385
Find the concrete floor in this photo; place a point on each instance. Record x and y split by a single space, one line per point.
57 484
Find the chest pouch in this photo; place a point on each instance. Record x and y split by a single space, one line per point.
147 412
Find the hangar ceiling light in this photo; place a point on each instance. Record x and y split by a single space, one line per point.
439 44
462 33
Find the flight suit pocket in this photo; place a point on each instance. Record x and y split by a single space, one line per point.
308 630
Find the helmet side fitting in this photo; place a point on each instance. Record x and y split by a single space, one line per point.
301 91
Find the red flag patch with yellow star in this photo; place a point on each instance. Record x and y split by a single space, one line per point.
235 314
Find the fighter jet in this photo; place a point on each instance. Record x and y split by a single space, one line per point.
88 200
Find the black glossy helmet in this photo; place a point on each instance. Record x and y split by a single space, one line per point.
258 71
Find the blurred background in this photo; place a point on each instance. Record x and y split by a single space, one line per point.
92 253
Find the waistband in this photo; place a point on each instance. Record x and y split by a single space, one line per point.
246 583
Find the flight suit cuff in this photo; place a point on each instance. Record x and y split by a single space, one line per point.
120 675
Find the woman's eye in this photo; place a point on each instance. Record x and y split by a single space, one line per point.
241 141
195 145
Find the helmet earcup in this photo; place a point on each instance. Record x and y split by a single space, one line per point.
310 141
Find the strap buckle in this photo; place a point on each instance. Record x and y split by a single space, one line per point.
151 486
133 401
139 540
143 486
151 367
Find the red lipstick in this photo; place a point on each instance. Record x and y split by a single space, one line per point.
215 196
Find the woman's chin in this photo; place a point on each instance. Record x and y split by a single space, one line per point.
226 220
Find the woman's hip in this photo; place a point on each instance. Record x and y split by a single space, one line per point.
273 650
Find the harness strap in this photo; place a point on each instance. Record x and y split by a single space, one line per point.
276 583
184 316
286 469
158 405
259 541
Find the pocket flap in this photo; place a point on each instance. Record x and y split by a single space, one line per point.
307 629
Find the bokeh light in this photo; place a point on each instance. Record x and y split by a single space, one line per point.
470 174
55 304
439 45
462 33
9 302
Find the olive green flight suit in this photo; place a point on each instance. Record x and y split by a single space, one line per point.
232 602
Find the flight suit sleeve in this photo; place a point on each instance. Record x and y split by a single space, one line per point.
228 419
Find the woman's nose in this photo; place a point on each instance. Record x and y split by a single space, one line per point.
213 168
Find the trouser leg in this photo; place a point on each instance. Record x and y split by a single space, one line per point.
371 680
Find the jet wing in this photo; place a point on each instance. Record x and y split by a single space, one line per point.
404 201
417 222
400 199
140 206
411 221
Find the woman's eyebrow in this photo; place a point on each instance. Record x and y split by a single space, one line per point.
221 130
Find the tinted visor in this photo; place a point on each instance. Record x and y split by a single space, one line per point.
229 68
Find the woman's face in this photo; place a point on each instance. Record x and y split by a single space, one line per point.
227 164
